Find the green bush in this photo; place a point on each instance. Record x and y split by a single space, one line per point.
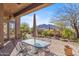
45 33
50 33
24 27
67 33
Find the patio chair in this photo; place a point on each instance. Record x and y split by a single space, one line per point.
21 49
25 49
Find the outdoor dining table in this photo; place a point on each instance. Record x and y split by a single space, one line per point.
37 43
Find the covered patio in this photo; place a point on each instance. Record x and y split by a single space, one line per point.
10 40
10 14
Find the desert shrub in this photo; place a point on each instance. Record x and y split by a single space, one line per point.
67 33
23 35
40 31
24 27
50 33
45 33
57 33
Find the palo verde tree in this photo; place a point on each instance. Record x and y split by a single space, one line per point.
70 14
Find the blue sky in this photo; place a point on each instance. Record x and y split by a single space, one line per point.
43 16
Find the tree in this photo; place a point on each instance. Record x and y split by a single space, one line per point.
24 27
70 14
60 24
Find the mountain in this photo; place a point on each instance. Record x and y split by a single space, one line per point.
47 26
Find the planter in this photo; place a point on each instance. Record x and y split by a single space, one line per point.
68 51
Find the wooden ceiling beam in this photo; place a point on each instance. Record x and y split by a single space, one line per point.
26 9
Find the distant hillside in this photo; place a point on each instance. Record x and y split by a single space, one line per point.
47 26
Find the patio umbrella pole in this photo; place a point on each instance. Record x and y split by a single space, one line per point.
34 28
34 40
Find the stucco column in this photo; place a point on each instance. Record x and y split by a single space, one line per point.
17 27
1 25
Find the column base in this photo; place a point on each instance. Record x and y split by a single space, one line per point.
1 46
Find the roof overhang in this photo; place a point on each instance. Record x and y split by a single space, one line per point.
31 8
20 9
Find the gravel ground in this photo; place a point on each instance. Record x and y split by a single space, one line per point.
57 47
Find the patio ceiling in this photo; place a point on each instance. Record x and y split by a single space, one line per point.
20 9
31 8
10 8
